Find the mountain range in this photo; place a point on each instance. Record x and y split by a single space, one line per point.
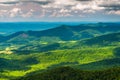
93 47
65 33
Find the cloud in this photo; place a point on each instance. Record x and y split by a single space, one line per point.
41 2
114 12
8 1
28 14
12 2
3 13
83 0
15 12
110 7
58 8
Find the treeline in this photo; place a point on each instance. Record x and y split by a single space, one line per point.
68 73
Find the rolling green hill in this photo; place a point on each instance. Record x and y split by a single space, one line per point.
52 59
112 39
64 33
85 47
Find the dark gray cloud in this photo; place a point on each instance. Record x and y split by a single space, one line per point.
27 1
114 7
9 2
83 0
39 2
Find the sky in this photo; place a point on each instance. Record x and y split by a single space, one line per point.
60 10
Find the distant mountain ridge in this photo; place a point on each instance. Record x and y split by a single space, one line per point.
67 33
12 27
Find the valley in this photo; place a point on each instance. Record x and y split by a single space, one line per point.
88 48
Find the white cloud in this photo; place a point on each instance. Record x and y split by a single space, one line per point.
3 13
57 8
114 12
15 12
7 0
61 13
65 11
28 14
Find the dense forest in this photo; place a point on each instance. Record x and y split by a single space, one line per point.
68 73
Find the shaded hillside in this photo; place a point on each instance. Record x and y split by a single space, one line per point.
67 73
100 64
2 38
109 39
6 64
112 39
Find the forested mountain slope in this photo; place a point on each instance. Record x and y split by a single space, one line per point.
65 33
